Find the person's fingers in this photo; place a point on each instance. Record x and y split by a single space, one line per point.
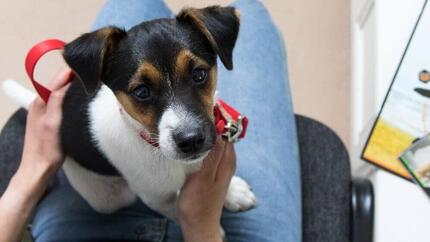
55 103
37 106
227 165
60 79
210 164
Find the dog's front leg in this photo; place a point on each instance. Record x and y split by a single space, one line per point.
104 194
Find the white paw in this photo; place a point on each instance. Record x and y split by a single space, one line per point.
239 196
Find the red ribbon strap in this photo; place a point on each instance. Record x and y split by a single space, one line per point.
33 57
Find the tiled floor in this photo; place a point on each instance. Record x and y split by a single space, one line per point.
317 33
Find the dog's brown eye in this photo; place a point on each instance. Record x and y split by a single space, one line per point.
142 93
200 75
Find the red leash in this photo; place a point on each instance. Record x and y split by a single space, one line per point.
228 122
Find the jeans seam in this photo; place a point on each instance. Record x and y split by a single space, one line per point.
163 229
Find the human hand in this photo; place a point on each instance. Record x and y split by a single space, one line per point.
42 154
202 197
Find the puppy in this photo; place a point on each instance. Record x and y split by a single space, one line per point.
140 119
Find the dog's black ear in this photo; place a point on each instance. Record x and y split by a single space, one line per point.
87 54
220 25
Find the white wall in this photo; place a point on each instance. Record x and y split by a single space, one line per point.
402 210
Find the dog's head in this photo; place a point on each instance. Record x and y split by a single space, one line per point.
163 73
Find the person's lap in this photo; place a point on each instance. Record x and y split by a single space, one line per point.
267 158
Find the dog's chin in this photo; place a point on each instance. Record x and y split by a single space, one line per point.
195 158
177 157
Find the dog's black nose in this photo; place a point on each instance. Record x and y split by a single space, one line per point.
190 141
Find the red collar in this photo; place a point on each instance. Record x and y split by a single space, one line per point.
142 133
148 139
228 122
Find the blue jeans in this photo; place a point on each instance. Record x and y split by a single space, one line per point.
268 158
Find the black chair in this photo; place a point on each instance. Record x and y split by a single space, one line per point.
336 208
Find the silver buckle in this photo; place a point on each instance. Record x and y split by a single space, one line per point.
234 129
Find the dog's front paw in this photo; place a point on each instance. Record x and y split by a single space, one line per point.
239 196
